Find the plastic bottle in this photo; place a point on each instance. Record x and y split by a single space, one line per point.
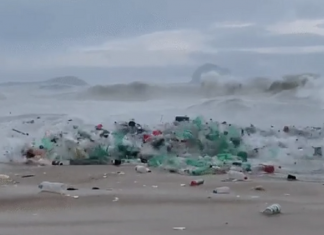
272 210
197 182
222 190
267 168
52 187
142 169
236 175
236 168
263 168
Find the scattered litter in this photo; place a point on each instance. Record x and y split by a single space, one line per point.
116 199
154 186
197 182
182 185
52 187
75 196
185 146
236 176
259 188
179 228
269 169
27 176
95 188
222 190
71 189
2 176
20 132
272 210
291 178
142 169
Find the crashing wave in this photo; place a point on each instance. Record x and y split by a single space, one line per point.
207 68
140 91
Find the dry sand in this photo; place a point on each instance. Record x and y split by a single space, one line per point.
153 203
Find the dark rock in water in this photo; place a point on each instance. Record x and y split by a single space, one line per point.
206 68
291 178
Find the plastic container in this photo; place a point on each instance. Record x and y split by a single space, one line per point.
197 182
52 187
236 175
142 169
61 163
272 210
270 169
222 190
236 168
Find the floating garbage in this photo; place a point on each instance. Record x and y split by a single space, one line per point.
237 176
190 146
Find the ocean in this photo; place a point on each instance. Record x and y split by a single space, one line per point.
295 100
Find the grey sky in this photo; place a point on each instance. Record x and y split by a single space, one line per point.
58 35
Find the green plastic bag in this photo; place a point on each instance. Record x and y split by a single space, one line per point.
99 153
233 132
47 144
198 122
243 156
201 171
156 161
225 157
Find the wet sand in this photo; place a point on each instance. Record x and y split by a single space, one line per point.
153 203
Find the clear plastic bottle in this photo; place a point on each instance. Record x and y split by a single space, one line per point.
52 187
142 169
236 175
236 168
272 210
222 190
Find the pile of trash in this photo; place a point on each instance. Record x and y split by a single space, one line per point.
186 146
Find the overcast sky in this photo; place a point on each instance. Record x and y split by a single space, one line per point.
40 37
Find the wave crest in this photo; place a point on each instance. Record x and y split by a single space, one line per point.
140 91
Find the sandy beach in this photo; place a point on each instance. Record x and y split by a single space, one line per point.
153 203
